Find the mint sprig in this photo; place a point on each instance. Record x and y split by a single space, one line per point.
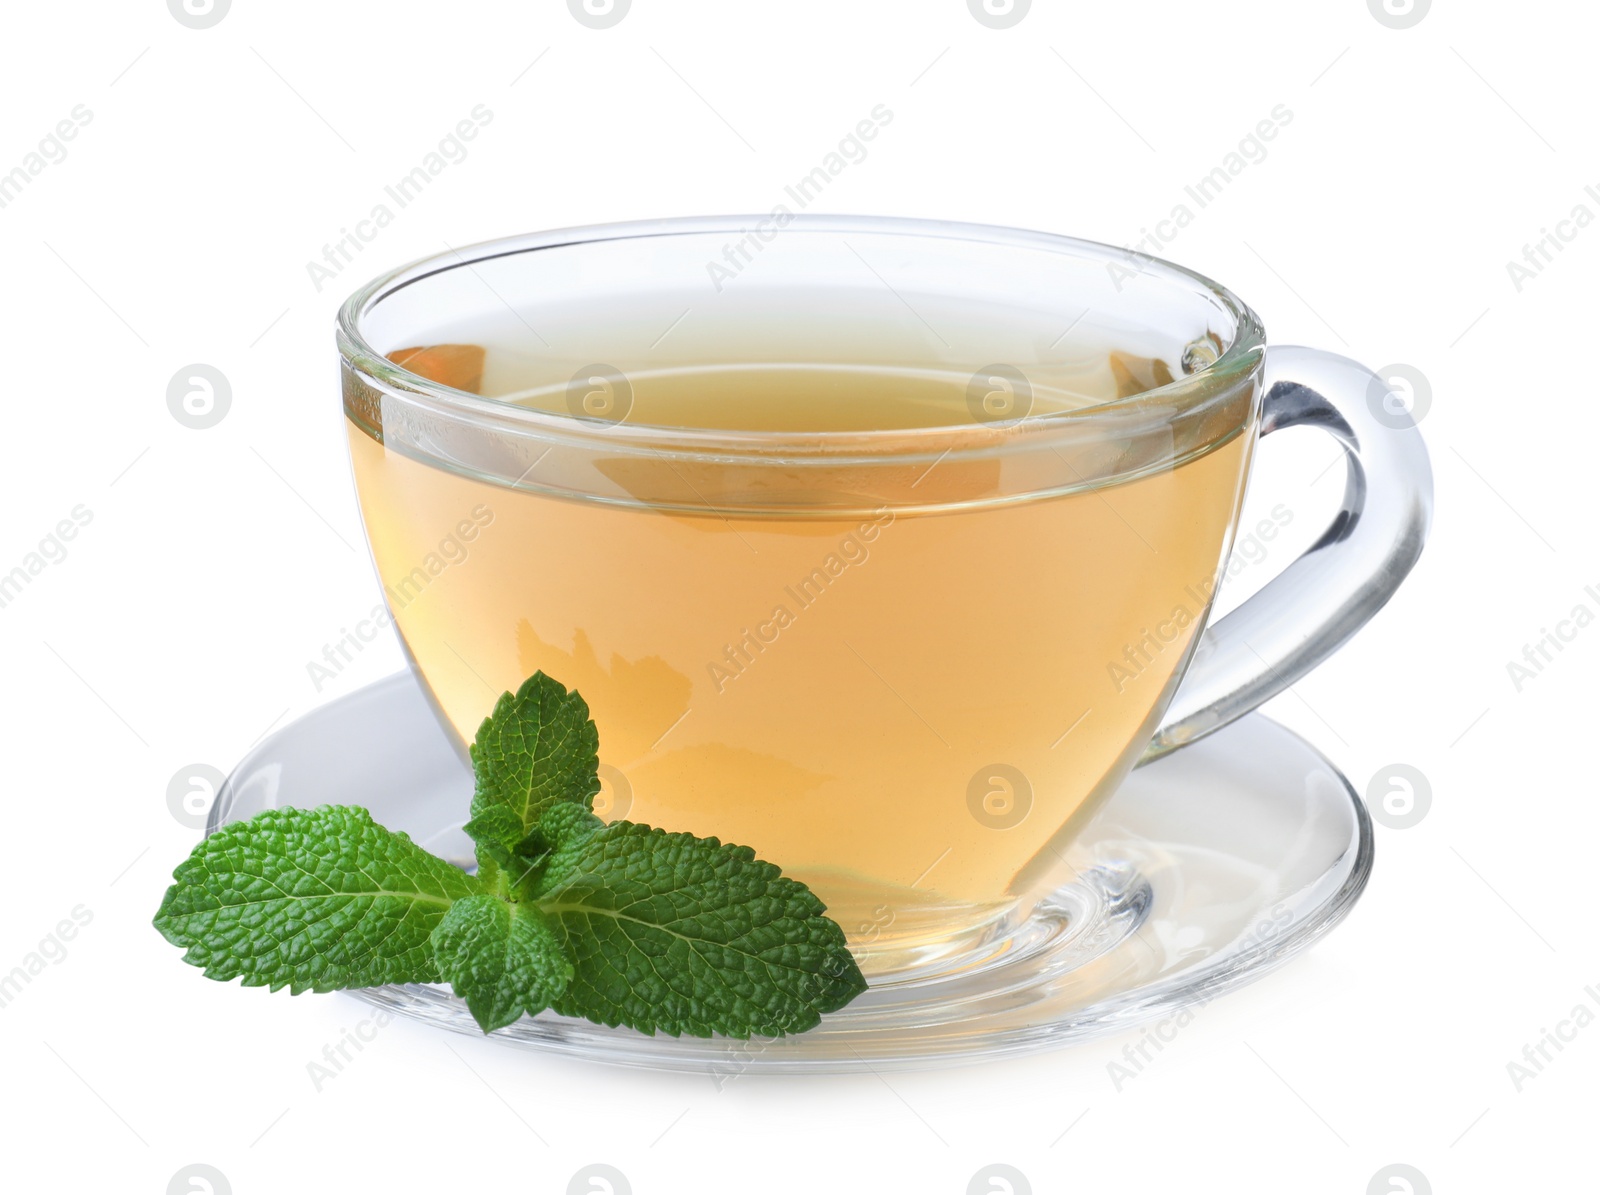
619 923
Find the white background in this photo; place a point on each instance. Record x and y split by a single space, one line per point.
218 162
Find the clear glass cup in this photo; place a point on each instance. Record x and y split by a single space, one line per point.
886 547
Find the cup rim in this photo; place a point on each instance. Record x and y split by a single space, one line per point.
1240 355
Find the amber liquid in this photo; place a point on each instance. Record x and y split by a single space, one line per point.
909 710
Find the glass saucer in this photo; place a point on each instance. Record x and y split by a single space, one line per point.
1207 869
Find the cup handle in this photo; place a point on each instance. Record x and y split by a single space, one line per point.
1305 613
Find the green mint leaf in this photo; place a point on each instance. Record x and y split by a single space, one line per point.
618 923
502 959
550 847
681 934
495 831
537 749
317 899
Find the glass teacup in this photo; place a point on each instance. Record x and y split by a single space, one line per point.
885 547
